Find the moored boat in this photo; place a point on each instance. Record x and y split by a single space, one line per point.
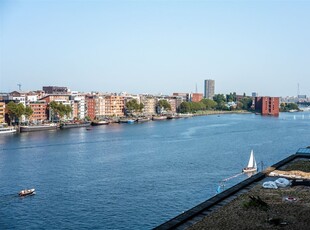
69 125
252 166
26 192
33 128
99 123
185 115
126 120
143 119
6 130
159 118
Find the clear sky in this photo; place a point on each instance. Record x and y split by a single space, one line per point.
156 46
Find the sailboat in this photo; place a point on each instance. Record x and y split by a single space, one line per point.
252 166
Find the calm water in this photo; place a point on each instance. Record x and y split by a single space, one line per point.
136 176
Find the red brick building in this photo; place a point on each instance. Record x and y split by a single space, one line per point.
90 106
197 97
267 105
40 112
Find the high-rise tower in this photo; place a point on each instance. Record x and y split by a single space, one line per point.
209 89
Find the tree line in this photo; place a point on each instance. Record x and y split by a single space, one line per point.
219 102
16 111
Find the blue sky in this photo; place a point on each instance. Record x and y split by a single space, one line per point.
156 46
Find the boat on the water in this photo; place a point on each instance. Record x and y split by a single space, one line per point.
126 120
6 130
143 119
69 125
95 123
26 192
159 118
33 128
252 166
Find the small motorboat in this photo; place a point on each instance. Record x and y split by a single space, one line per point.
26 192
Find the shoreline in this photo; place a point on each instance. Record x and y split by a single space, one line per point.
215 112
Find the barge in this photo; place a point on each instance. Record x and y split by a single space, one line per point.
33 128
75 125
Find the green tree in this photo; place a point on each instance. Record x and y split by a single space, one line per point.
210 104
197 106
184 107
15 111
59 110
231 97
246 103
286 107
164 104
133 106
28 112
220 99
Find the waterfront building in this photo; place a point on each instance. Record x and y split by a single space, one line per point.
64 99
2 112
40 112
209 89
149 104
19 97
90 106
185 96
5 97
114 105
197 97
267 105
39 93
31 97
55 90
100 106
78 106
175 102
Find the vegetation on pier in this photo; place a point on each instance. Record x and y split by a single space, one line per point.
286 107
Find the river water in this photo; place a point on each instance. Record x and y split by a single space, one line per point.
137 176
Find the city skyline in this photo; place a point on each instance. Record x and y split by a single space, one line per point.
156 47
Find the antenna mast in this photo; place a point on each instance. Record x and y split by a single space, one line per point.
19 86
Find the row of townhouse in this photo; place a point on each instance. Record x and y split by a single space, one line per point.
92 105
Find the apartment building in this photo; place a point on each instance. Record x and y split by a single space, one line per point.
90 106
55 90
267 105
149 104
19 97
2 112
184 96
209 88
197 97
114 105
40 112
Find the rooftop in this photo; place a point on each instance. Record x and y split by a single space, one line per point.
248 205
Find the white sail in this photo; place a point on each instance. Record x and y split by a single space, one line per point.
252 162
